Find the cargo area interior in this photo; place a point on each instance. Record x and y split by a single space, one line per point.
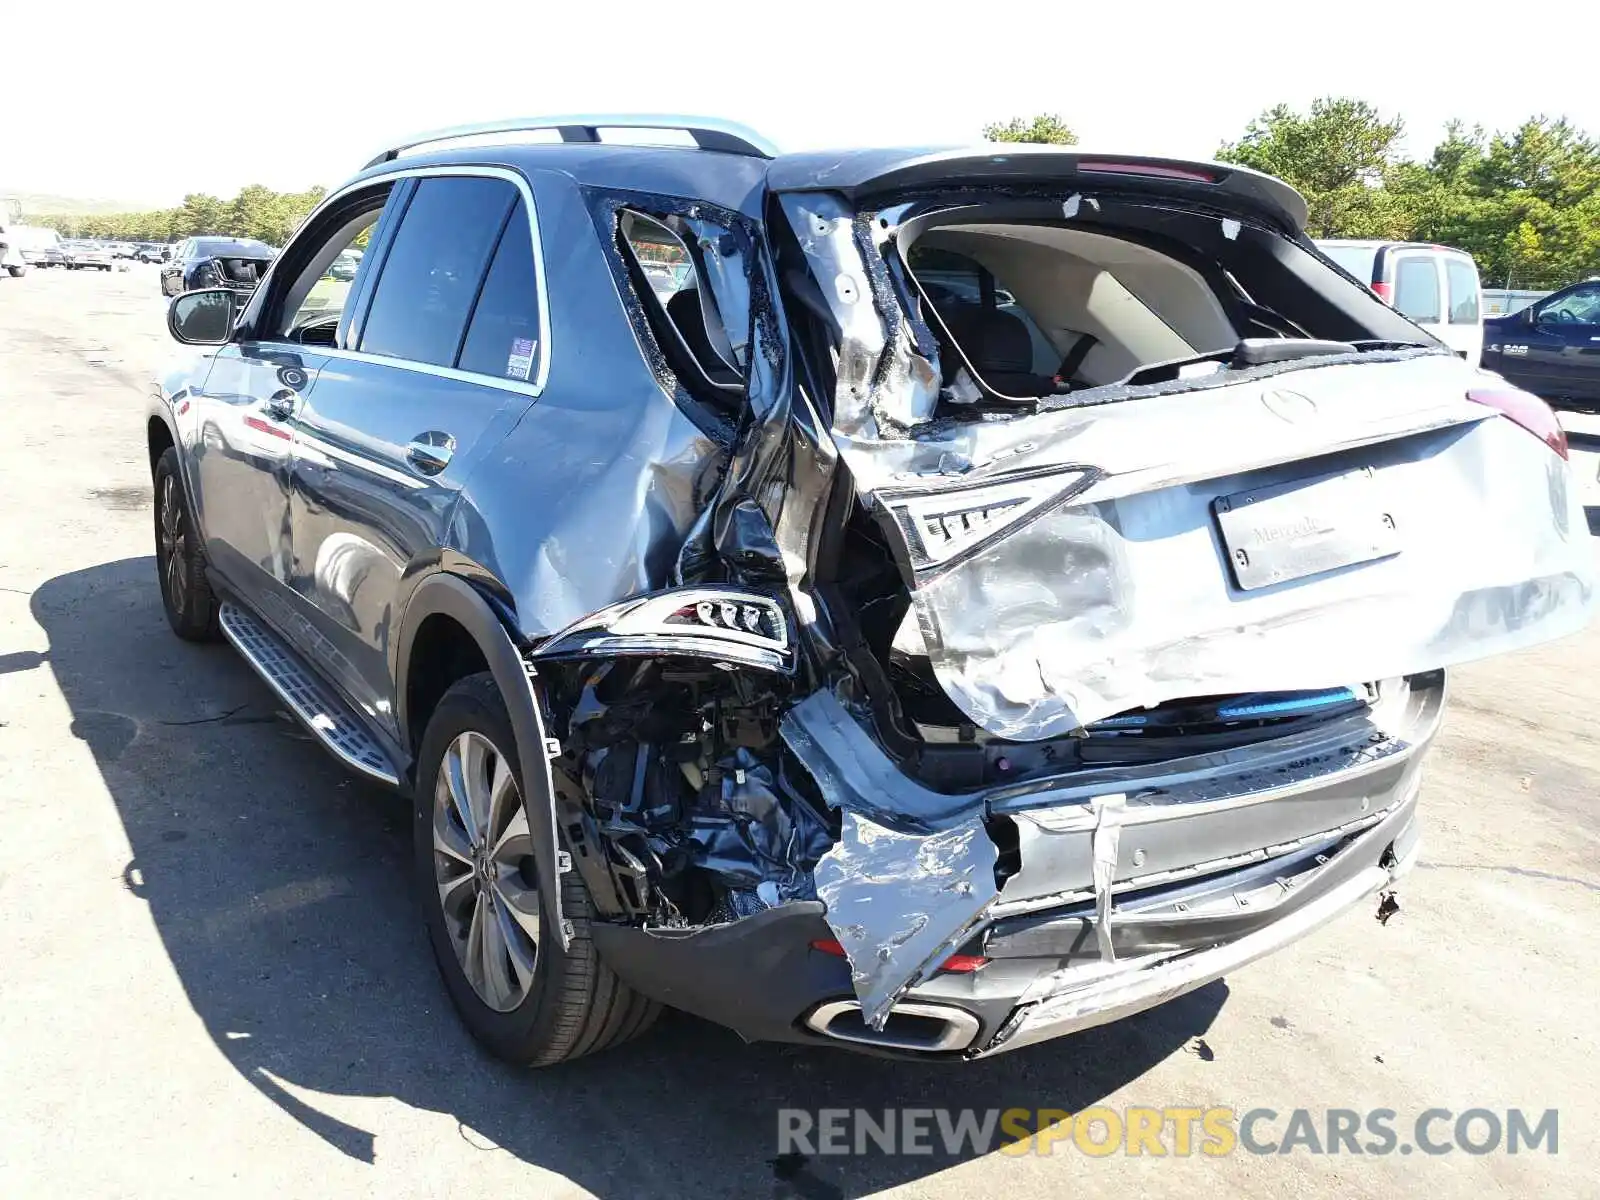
241 272
1024 303
1029 310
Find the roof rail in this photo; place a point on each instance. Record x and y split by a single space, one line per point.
709 133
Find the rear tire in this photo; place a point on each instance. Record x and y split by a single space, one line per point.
180 567
473 896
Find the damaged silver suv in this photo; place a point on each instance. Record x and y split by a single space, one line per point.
927 602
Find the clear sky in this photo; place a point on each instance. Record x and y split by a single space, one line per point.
148 101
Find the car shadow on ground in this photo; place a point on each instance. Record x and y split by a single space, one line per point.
280 888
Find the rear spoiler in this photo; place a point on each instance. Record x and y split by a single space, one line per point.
864 174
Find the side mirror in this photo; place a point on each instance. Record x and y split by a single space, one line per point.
204 317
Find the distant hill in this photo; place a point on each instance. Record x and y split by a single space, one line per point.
45 204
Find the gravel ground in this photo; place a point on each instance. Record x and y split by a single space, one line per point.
214 975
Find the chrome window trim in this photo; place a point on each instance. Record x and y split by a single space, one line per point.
534 387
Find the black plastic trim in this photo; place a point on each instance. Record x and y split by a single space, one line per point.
451 596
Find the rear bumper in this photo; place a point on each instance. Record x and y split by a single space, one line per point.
1078 998
1235 858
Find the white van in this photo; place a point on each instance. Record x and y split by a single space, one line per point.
1436 286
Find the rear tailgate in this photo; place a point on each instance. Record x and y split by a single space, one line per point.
1302 524
1350 522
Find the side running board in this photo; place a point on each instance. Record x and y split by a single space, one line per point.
307 697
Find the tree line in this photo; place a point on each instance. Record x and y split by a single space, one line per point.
256 212
1524 202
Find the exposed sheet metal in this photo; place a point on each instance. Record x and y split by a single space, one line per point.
900 902
1107 837
913 870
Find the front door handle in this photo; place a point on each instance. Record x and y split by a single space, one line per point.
280 405
430 452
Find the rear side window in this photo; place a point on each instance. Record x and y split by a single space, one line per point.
503 333
1416 289
681 306
1462 279
434 266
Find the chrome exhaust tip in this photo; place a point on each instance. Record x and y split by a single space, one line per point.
913 1025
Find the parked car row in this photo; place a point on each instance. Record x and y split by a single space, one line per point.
38 246
86 256
1550 347
931 640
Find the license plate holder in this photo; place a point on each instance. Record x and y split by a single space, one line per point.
1306 527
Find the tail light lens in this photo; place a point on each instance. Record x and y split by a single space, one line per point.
1384 292
945 523
1528 411
1149 170
959 964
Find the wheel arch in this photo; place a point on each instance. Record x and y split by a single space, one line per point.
440 602
440 611
159 437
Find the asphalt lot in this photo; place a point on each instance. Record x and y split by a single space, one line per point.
213 976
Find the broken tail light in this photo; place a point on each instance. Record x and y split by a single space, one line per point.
1528 411
946 520
956 964
730 614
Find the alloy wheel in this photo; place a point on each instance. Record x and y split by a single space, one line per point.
172 543
483 867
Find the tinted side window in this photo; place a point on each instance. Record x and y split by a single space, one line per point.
434 266
1416 289
503 336
1579 306
1463 282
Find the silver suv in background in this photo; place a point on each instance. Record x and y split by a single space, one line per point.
1435 286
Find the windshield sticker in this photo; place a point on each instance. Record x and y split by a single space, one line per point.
520 363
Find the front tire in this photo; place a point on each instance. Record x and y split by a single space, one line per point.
185 594
518 992
18 272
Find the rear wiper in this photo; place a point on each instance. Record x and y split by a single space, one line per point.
1380 344
1253 352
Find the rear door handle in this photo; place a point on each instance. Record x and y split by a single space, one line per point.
430 452
280 405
